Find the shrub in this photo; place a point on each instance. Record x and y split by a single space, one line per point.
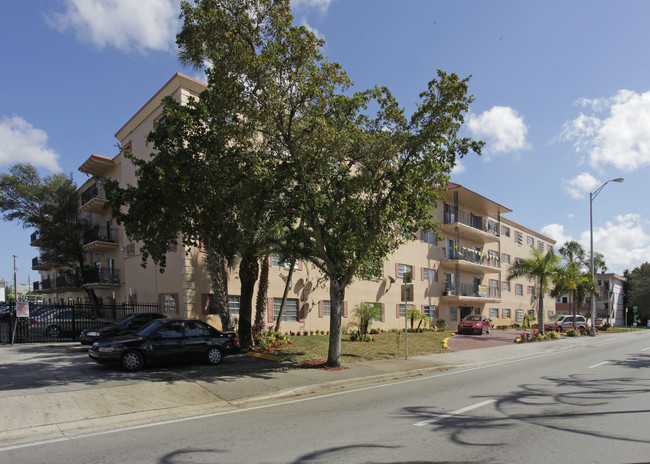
572 333
442 325
270 339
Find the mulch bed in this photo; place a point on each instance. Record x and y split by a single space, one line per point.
321 364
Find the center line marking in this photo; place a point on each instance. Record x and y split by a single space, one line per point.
455 413
596 365
645 349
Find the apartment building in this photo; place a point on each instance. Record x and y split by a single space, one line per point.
610 306
461 273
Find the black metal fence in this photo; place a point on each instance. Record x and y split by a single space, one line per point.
62 323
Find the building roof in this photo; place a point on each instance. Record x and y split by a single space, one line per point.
467 196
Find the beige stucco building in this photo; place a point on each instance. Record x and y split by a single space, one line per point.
464 272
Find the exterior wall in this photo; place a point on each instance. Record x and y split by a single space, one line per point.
610 306
470 247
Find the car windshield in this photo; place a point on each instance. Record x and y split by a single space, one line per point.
151 327
125 320
473 318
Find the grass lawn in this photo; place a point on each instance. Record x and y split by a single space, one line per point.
384 346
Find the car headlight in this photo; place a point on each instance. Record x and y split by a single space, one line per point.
106 349
92 334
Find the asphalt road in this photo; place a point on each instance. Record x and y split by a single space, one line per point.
586 404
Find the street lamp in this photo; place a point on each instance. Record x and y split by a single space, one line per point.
592 196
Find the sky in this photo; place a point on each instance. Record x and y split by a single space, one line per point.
562 96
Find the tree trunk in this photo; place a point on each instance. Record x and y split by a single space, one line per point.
337 295
287 286
248 271
218 271
262 292
540 313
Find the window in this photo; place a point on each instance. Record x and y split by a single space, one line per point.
505 258
505 286
531 313
518 260
428 237
551 314
327 308
275 262
453 314
494 313
196 329
519 237
171 246
431 311
519 315
540 246
494 284
531 289
130 249
493 257
530 241
429 274
290 312
506 314
373 271
505 230
233 305
549 248
172 330
493 227
168 303
403 268
402 309
519 289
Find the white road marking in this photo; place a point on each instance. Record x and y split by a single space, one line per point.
455 413
596 365
646 349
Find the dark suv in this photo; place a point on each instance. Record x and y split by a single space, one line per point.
131 323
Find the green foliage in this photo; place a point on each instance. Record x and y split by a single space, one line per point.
638 290
572 333
363 316
415 314
268 339
441 324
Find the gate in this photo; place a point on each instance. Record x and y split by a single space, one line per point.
62 323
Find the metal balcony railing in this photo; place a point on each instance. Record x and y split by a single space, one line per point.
95 191
67 281
46 284
102 276
475 257
100 234
471 220
472 290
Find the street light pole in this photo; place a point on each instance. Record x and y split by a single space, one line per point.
592 196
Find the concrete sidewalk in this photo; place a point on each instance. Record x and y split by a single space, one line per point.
34 411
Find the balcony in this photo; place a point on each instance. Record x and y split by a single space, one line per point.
37 286
475 228
33 239
101 238
471 261
39 265
471 292
46 285
94 198
67 281
102 278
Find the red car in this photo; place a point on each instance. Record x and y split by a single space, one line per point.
474 323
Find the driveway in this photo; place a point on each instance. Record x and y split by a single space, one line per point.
474 342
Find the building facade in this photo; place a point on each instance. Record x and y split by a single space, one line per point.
461 270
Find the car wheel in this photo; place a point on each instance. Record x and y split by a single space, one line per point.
215 356
53 331
132 361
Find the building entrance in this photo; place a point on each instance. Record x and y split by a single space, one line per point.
465 311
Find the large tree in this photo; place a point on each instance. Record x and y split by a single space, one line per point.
542 269
638 290
359 174
50 205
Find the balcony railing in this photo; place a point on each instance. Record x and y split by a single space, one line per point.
475 257
473 290
67 281
46 284
100 234
102 276
33 239
37 286
471 220
96 191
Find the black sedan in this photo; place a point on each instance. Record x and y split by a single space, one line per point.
164 340
128 324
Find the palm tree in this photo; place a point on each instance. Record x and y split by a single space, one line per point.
363 315
542 269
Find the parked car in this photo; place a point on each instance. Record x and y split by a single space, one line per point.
165 340
474 323
128 324
565 321
64 322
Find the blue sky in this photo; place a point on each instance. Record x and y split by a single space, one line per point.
562 96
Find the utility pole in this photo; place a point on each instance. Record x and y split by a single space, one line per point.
15 287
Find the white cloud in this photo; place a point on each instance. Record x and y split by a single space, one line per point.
501 127
620 137
321 5
459 168
556 232
124 24
20 142
580 185
624 243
